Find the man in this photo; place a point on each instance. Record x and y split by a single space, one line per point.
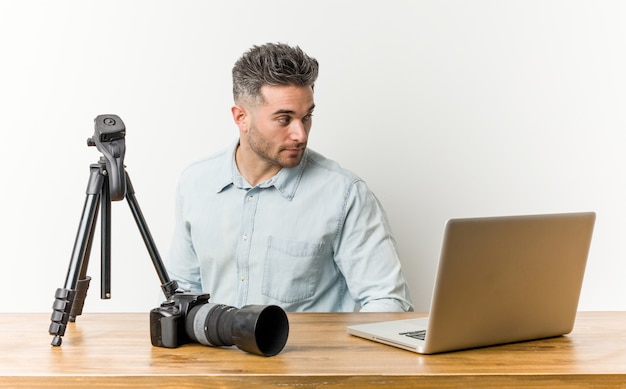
269 221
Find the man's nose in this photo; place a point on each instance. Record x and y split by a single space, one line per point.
298 131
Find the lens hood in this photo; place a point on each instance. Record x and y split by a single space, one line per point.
261 329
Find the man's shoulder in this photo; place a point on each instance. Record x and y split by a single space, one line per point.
216 161
212 170
330 167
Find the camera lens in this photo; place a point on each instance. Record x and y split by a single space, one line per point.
258 329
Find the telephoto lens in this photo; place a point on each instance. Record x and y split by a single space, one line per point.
257 329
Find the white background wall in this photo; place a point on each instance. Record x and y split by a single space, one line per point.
446 108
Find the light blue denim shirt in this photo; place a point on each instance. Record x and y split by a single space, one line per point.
312 238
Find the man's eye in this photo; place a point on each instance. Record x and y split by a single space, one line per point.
284 119
307 118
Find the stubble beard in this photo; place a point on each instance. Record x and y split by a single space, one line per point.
263 148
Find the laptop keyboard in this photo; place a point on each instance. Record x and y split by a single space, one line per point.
421 335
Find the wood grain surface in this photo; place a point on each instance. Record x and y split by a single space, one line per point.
113 350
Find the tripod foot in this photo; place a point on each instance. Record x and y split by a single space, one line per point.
57 341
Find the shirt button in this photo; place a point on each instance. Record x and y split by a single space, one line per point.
242 278
250 198
245 237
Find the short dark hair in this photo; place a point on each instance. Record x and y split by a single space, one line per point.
275 64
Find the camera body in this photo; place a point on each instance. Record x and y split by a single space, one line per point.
188 317
167 322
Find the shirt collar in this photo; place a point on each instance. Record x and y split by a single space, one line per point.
285 181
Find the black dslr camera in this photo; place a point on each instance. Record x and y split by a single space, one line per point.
187 317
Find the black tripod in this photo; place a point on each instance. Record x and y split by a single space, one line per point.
108 181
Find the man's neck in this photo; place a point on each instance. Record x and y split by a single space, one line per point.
252 168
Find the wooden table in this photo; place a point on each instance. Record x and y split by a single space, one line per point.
114 350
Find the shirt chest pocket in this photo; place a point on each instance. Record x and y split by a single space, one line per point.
292 269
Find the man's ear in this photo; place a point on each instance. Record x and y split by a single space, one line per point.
240 116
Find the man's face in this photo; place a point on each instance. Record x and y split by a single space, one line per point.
278 128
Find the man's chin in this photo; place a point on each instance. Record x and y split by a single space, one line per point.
291 161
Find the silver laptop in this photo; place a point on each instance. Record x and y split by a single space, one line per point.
500 280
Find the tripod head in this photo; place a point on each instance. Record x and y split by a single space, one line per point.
109 139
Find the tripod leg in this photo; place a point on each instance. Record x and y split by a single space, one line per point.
169 287
64 297
105 242
83 279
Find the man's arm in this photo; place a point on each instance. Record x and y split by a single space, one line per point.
182 262
366 254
